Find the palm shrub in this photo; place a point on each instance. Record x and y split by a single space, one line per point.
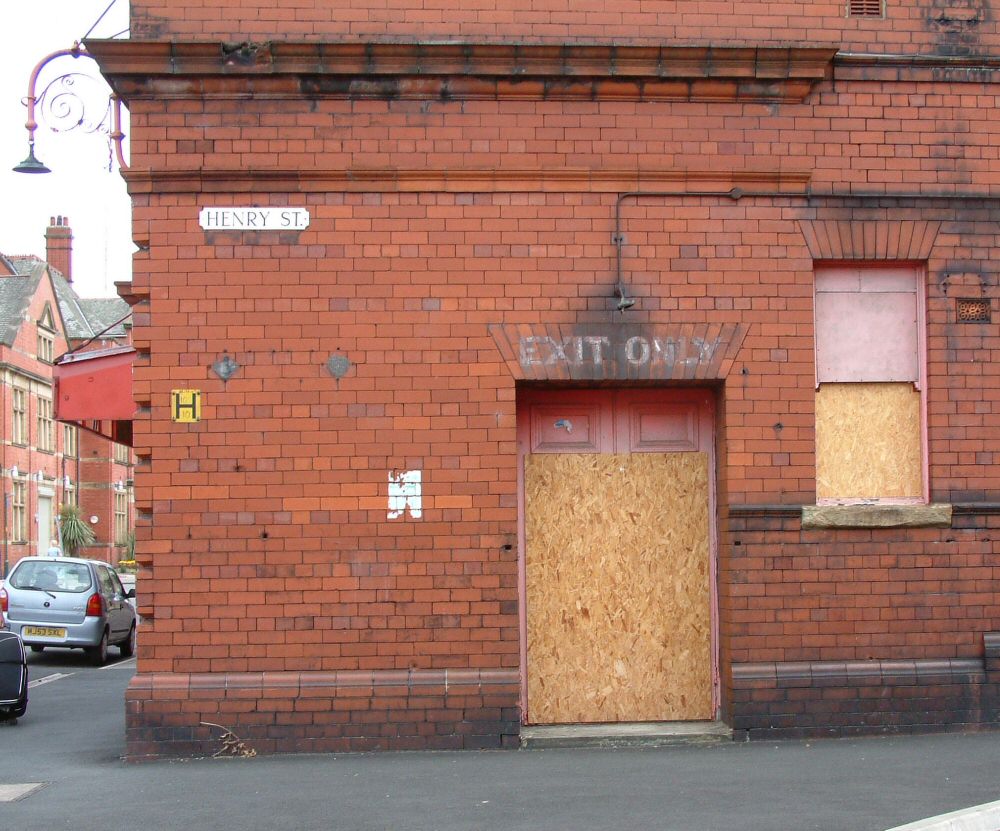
76 533
127 561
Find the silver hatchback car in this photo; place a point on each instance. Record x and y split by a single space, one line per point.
70 603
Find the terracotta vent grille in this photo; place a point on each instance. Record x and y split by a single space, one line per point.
865 8
973 311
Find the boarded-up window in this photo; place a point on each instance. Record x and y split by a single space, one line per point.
869 444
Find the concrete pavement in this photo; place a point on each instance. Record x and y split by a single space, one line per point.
71 742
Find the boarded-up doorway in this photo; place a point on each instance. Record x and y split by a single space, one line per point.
618 577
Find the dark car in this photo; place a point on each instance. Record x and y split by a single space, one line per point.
13 677
70 603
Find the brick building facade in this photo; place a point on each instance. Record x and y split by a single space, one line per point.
609 365
46 464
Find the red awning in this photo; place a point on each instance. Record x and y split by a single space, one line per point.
97 387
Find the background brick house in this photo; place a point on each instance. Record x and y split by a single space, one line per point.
631 364
47 464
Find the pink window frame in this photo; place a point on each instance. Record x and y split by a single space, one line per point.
919 272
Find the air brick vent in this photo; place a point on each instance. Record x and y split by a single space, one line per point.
864 8
973 311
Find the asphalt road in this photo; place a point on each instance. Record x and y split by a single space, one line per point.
71 741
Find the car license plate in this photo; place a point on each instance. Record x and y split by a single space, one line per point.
43 632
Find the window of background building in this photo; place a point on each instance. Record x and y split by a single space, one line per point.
69 495
19 511
46 426
121 517
19 424
69 441
45 333
869 369
46 346
123 454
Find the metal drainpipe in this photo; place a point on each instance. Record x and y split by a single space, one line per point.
734 193
737 193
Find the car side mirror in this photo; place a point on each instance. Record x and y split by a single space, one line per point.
130 594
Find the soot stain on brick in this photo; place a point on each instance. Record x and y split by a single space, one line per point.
246 53
347 86
963 275
147 26
957 24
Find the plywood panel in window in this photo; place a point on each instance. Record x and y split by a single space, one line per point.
868 442
867 328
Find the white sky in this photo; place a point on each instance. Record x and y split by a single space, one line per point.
80 186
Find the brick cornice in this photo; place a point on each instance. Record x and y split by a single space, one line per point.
466 179
950 69
460 71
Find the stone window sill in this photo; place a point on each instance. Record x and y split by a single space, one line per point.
876 516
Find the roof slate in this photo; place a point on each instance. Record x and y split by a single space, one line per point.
105 314
27 265
15 299
83 318
75 318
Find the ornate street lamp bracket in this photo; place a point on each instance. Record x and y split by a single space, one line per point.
63 108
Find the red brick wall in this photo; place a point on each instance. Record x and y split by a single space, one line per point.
263 529
870 136
427 390
99 476
954 26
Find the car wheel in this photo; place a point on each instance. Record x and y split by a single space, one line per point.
99 654
127 646
35 648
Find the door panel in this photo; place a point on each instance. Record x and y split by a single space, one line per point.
44 523
569 428
648 427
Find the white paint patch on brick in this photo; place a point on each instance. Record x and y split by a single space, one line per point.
405 494
12 793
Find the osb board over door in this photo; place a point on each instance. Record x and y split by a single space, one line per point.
619 627
617 567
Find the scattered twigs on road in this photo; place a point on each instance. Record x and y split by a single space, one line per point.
232 745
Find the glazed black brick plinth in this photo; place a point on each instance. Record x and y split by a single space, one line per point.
809 699
175 715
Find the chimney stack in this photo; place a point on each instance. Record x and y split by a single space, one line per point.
59 246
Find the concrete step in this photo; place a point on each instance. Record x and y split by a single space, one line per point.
637 734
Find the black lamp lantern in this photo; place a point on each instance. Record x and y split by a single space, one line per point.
31 164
